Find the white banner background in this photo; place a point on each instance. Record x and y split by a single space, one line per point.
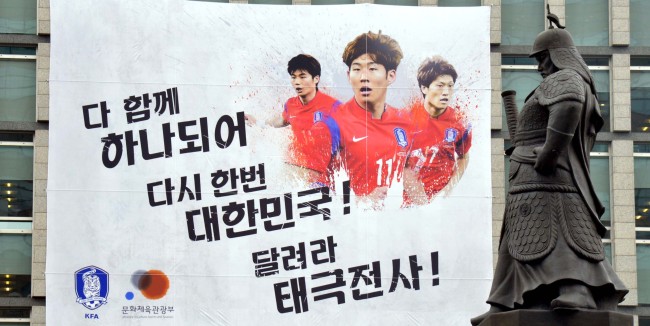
223 59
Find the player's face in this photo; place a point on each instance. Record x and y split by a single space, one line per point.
369 80
438 95
546 65
304 83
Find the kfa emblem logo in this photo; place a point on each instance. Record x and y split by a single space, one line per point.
400 136
450 135
318 116
91 285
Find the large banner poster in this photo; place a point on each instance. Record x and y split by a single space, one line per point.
233 164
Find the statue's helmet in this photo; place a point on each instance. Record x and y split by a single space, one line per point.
563 53
554 38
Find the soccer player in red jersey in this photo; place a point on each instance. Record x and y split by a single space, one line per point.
374 138
301 113
310 105
441 138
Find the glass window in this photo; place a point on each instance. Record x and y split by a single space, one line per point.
15 262
642 193
16 185
642 211
17 89
16 137
601 79
18 16
522 81
644 321
14 316
596 61
639 23
520 74
332 2
14 313
641 148
639 61
521 21
600 147
528 61
458 3
17 50
640 94
643 273
16 188
397 2
599 171
270 2
588 21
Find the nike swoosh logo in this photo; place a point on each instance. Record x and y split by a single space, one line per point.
355 139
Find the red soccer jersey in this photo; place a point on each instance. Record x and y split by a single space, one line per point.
310 139
311 148
372 151
437 144
303 116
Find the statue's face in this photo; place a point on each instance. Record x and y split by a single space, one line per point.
545 64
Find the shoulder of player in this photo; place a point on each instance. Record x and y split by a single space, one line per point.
392 114
342 110
292 102
320 96
451 114
327 102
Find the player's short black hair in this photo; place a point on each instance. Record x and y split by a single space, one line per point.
304 62
382 48
433 67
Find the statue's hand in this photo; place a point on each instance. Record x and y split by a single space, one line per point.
546 159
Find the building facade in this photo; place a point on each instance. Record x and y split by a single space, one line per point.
610 34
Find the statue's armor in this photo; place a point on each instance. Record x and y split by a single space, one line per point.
541 207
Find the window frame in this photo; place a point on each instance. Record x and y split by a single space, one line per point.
609 166
35 21
14 320
640 228
26 231
4 56
22 58
637 69
19 218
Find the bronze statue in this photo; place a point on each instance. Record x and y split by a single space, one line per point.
551 254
